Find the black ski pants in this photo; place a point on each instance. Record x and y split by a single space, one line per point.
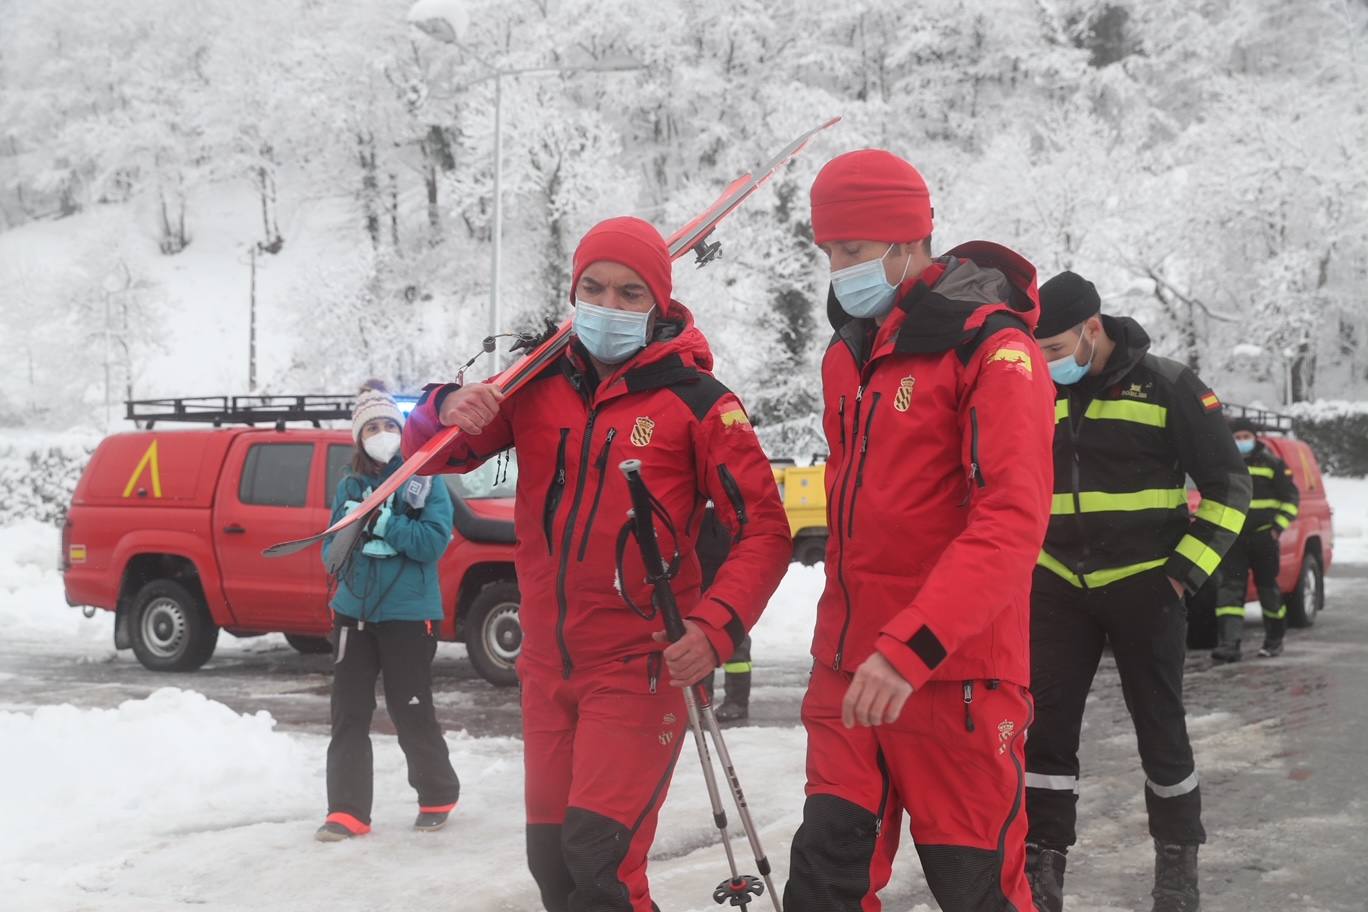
1145 623
402 651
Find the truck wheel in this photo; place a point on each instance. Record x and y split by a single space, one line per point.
493 634
810 550
307 645
1307 600
1201 612
171 628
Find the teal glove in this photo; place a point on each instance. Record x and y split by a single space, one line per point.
377 546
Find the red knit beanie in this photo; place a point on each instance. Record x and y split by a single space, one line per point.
636 245
870 195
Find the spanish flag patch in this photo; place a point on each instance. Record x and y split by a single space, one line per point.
735 417
1015 355
1210 402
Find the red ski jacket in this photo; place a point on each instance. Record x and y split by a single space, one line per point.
696 444
940 424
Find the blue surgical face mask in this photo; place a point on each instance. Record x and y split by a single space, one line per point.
1066 371
1244 446
611 336
863 290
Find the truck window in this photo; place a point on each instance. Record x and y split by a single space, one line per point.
339 467
276 475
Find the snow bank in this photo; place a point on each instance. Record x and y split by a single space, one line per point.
1349 499
157 764
785 629
32 602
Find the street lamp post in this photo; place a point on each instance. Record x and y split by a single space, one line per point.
444 21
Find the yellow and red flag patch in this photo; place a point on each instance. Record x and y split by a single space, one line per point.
1015 355
1210 402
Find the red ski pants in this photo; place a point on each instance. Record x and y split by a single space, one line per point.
599 751
954 762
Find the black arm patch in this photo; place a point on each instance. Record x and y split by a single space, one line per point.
927 647
994 324
700 394
734 628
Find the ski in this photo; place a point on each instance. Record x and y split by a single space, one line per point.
693 236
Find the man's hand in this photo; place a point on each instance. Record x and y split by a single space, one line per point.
877 694
1178 588
690 658
471 408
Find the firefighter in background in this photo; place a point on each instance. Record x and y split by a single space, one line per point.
1120 553
713 545
1270 512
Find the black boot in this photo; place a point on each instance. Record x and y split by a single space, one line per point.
736 705
1045 873
1175 878
1229 629
1274 621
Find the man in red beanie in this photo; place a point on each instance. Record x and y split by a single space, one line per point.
602 726
939 419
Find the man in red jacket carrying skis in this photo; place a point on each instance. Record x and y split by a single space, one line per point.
939 418
602 728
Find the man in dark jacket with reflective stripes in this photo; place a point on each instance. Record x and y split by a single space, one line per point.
1271 511
1119 556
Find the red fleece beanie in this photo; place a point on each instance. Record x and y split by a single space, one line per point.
636 245
870 195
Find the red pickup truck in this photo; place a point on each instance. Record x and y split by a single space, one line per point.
166 529
1308 545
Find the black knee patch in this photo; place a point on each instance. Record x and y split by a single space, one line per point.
593 847
829 864
547 864
964 879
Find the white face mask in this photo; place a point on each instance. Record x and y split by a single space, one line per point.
382 446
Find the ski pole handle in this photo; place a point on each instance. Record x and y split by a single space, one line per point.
662 595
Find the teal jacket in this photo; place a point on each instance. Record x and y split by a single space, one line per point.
403 587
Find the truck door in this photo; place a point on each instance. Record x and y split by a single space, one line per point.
265 496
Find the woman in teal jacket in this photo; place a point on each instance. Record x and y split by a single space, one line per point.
386 610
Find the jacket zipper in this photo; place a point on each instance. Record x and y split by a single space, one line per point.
849 459
968 703
859 472
975 467
883 793
1075 431
562 597
600 465
653 671
734 495
840 420
555 491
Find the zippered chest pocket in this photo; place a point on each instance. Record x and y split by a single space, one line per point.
555 492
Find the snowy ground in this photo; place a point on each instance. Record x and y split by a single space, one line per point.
126 790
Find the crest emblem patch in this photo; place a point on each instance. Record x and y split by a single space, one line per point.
642 431
902 400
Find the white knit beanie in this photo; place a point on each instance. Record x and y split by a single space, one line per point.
374 401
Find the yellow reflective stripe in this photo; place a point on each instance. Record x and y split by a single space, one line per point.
1230 611
1221 515
1277 615
732 668
1199 554
1061 410
1290 509
1281 521
1265 504
1055 567
1107 502
1261 471
1127 410
1098 578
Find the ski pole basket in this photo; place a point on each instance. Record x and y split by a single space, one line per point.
249 410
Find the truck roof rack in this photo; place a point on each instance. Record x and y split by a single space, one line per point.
1266 419
249 410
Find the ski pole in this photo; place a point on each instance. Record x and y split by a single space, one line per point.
740 889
